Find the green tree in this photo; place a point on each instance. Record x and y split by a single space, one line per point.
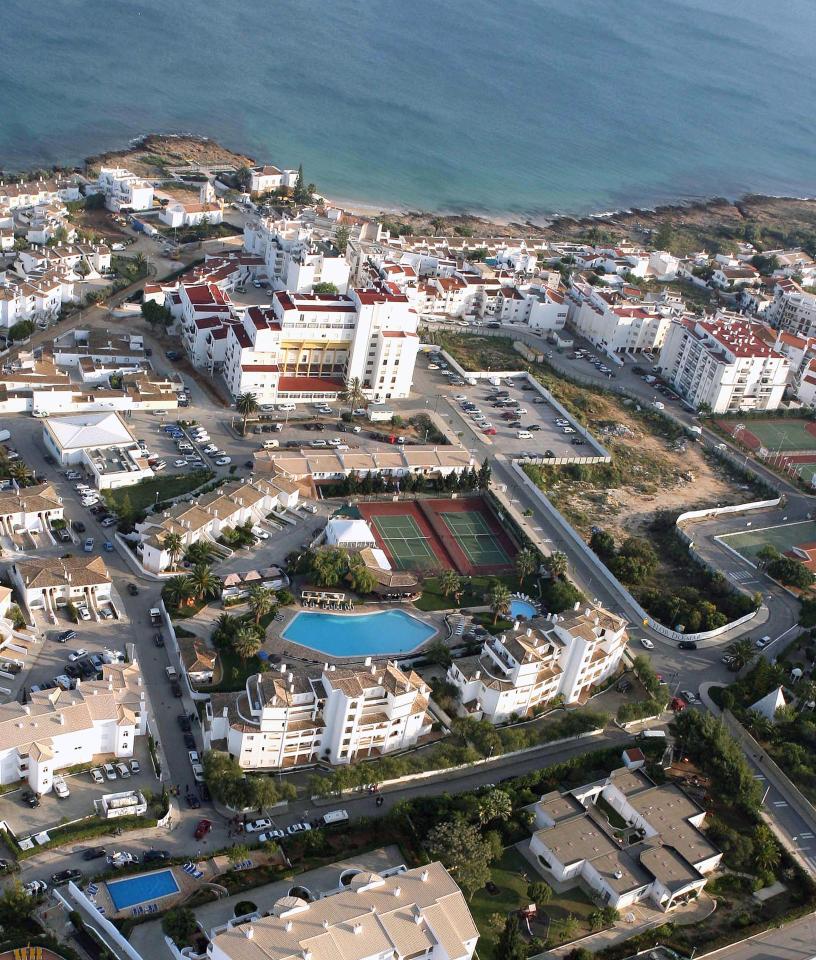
20 471
603 544
266 792
766 850
362 580
483 477
246 404
226 779
526 564
237 853
353 394
180 925
341 238
246 642
16 906
173 543
21 330
790 572
664 236
438 652
557 564
462 849
155 314
450 583
742 651
511 945
495 805
325 287
539 892
178 591
498 599
205 583
261 602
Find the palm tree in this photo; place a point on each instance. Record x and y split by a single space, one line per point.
498 599
178 591
741 651
246 643
204 582
261 601
450 583
246 404
353 394
556 563
19 471
200 552
526 563
224 627
173 543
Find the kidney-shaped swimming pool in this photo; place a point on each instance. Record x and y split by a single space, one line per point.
358 635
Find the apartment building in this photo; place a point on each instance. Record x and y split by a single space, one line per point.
724 364
297 714
308 346
538 306
58 729
45 583
38 297
185 209
34 193
205 518
29 508
792 309
417 914
733 278
618 323
295 259
65 258
123 190
661 856
519 672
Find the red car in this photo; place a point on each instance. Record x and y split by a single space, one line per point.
203 827
490 431
678 704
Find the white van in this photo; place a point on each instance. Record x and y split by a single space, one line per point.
288 406
524 435
652 735
271 444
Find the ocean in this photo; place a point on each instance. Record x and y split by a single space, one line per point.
522 109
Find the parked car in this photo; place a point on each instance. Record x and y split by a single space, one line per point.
203 827
77 654
30 798
78 525
96 775
65 636
135 767
64 876
88 545
294 828
647 643
271 835
109 771
93 853
255 826
36 888
687 645
155 856
133 590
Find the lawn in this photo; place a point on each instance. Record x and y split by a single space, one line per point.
782 537
142 496
475 591
511 875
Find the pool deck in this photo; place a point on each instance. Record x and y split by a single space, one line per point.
287 649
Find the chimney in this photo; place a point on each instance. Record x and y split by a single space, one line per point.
288 926
249 931
424 875
325 924
358 928
367 661
397 891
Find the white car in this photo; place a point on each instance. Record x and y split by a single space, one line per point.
193 756
96 775
223 461
260 533
61 788
335 442
211 448
198 773
647 643
179 463
135 766
123 770
271 835
77 654
109 772
294 828
83 612
34 888
89 501
254 826
201 437
524 435
460 397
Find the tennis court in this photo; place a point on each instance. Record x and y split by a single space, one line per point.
776 436
477 541
782 537
405 542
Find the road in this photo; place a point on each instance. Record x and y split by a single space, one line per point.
795 941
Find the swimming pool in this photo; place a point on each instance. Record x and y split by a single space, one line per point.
358 635
145 886
522 608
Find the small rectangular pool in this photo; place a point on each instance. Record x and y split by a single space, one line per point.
144 886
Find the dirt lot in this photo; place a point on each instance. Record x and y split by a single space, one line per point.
152 155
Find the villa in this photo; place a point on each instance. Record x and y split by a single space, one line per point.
521 671
29 508
123 190
59 728
411 914
45 583
627 839
298 714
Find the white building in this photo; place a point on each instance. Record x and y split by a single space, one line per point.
308 346
236 503
618 324
538 306
664 859
348 533
101 444
34 193
337 714
124 190
38 297
523 670
725 364
296 260
265 178
29 509
45 583
412 914
793 310
187 210
59 729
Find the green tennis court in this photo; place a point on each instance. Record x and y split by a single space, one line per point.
477 540
405 542
782 435
782 537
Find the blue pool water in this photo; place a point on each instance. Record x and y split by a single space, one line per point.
389 631
521 608
146 886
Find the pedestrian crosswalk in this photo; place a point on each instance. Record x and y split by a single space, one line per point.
742 576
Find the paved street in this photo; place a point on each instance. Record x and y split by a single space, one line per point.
795 941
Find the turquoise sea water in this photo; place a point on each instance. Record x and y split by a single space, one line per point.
389 631
526 107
